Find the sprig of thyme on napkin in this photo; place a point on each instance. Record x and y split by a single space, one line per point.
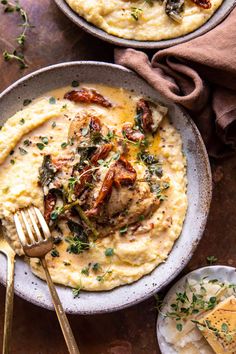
17 54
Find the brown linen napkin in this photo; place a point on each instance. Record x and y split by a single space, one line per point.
201 76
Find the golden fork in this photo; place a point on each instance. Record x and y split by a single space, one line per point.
36 241
10 254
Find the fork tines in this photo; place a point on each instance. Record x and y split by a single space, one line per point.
31 226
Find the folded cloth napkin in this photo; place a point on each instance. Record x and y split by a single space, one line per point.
201 76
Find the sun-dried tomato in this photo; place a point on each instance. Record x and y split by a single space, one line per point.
85 95
95 124
49 204
132 134
125 174
101 153
205 4
145 112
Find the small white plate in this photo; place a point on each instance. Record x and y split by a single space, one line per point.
222 273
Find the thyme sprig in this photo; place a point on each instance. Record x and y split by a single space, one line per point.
17 54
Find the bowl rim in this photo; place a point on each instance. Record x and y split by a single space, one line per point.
218 16
135 299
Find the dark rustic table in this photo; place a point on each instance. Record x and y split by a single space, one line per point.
54 39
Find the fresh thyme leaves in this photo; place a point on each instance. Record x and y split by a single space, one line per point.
40 146
109 252
22 151
136 13
76 246
17 54
55 253
96 267
75 83
44 140
27 142
52 100
211 260
102 277
22 121
64 145
85 271
192 302
179 327
79 241
26 102
76 292
123 230
54 124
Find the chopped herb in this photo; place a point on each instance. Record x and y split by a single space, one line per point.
12 162
26 102
136 12
27 142
85 271
179 327
56 212
211 260
101 278
224 327
76 292
141 217
66 263
75 83
44 140
23 151
40 146
96 267
55 253
52 100
64 145
123 230
54 124
79 242
109 252
22 121
64 106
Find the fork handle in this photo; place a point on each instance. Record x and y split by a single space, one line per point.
65 326
8 303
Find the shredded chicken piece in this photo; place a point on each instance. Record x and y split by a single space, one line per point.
121 173
132 134
85 95
86 174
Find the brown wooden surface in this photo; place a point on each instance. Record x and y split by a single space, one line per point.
36 331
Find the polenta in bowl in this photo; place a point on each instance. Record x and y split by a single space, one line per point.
106 167
145 20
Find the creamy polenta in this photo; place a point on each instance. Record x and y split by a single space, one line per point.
146 20
106 168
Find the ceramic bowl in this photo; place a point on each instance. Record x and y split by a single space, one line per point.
222 273
217 17
32 289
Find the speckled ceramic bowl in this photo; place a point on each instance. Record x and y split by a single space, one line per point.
217 17
35 290
222 273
